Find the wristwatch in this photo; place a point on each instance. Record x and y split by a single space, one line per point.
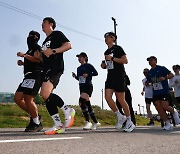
54 51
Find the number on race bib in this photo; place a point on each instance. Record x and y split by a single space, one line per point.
157 86
82 79
28 83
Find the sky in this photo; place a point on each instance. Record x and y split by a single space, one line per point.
145 28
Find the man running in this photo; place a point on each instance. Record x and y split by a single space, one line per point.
148 91
115 83
158 77
53 48
28 89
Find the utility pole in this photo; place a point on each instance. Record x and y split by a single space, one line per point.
139 110
102 100
115 24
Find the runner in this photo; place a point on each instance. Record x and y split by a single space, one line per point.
28 89
148 91
175 83
115 83
53 48
157 77
84 75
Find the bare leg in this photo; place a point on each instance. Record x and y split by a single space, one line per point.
19 100
110 101
121 98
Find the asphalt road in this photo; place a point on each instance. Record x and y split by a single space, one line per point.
105 140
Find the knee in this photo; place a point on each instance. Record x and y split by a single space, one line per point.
45 95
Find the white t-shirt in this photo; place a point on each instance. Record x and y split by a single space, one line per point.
148 89
175 82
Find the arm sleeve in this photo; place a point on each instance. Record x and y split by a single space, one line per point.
93 70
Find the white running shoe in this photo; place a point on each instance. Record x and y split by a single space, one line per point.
55 130
168 126
129 127
176 117
95 126
87 126
69 118
120 122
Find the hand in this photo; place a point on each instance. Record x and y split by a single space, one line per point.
142 93
85 75
108 57
103 65
48 52
73 75
20 62
20 54
162 78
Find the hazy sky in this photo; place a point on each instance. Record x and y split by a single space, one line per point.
145 28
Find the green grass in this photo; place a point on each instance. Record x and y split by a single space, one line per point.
11 116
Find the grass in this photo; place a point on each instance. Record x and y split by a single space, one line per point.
11 116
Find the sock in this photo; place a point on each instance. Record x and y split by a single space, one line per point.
91 112
65 109
36 120
128 118
56 119
119 115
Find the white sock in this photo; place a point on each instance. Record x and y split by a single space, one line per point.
119 115
36 120
65 109
128 118
56 119
167 122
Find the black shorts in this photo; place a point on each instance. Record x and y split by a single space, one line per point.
164 97
148 100
31 84
117 85
88 89
178 100
52 76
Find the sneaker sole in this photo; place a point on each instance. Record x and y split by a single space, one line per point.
72 119
35 130
55 132
130 130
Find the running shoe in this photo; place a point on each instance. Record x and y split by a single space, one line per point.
95 126
34 127
129 127
176 117
151 123
55 130
168 126
120 122
87 126
69 118
31 125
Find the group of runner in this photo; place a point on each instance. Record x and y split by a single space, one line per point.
43 67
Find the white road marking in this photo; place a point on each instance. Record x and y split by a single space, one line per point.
176 132
39 139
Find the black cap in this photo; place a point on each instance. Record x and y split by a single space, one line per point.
110 34
82 54
151 57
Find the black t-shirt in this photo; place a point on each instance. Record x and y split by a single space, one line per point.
32 66
116 70
54 62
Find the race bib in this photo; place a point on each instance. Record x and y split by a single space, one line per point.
157 86
28 83
82 79
109 65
